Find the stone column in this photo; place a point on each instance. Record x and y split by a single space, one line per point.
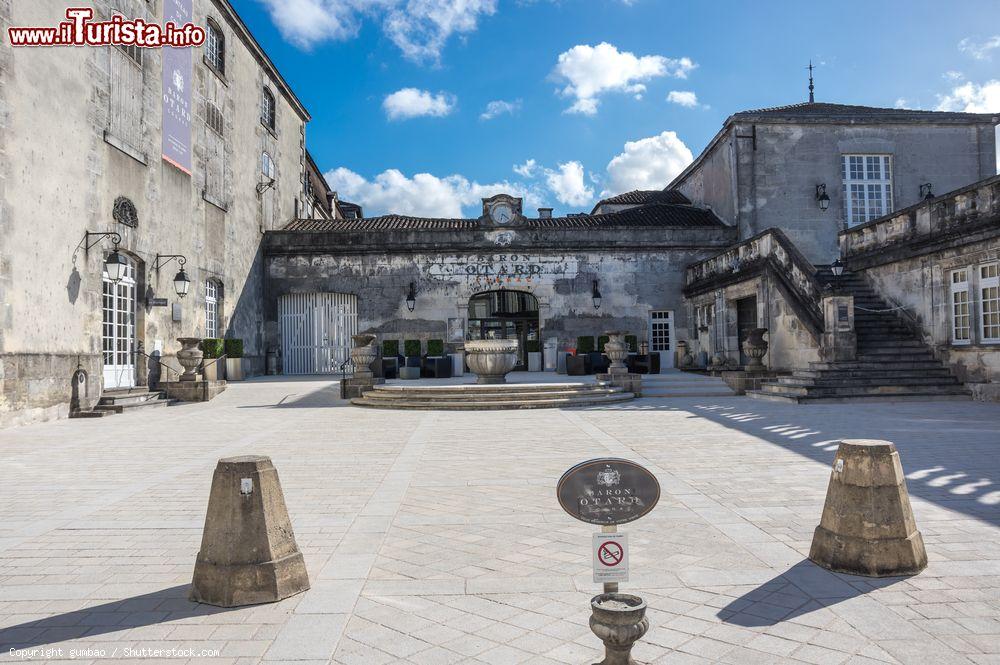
867 526
840 341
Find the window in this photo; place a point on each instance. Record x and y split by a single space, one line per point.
214 119
960 313
133 52
867 187
215 48
125 99
989 295
703 315
212 308
266 166
267 108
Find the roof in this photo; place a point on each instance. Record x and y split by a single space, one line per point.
851 111
655 215
645 196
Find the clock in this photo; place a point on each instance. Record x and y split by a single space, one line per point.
501 213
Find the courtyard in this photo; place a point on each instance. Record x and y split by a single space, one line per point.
435 537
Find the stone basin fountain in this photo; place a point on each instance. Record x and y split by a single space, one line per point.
491 359
619 620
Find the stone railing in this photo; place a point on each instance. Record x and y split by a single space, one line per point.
959 211
772 250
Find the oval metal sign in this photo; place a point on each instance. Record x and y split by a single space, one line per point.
608 491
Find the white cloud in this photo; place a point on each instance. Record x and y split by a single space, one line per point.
499 107
683 98
902 103
413 103
422 195
419 28
972 98
648 163
980 50
526 170
952 75
591 71
567 184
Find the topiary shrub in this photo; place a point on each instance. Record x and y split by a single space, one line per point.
435 347
584 345
532 346
601 341
411 348
390 348
212 347
234 348
633 343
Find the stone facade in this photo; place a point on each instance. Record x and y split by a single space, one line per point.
81 128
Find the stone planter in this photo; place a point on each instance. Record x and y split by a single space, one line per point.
619 620
189 357
213 369
234 369
755 348
491 359
363 355
616 349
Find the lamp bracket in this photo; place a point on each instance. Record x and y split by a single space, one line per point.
264 186
163 259
100 235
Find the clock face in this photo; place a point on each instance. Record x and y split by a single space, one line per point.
502 213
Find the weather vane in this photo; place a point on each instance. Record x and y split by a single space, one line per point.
811 87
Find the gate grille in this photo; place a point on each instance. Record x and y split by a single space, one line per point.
316 330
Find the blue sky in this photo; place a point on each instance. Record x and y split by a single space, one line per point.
399 90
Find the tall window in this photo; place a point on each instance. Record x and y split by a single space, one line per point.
989 294
211 308
125 99
215 154
961 316
215 48
867 187
267 108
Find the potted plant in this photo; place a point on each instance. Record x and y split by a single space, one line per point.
411 349
435 348
390 348
633 343
534 355
234 359
584 345
212 369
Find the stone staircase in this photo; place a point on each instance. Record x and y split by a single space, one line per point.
675 383
892 362
126 401
471 397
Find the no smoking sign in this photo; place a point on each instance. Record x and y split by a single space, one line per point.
610 557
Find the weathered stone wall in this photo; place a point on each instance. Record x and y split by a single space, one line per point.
61 178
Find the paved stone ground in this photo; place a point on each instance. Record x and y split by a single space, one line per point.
436 537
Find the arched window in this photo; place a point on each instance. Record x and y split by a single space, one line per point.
267 108
266 166
215 48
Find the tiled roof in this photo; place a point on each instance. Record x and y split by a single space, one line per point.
663 215
816 109
644 196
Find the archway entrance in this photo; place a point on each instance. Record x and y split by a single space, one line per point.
506 314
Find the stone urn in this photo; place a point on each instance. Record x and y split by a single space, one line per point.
755 349
189 357
363 355
619 620
616 349
491 359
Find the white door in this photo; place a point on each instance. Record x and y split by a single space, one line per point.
661 336
118 330
316 330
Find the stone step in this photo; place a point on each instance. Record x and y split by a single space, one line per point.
124 408
878 364
852 381
897 397
473 388
718 392
853 391
417 395
929 372
129 397
472 404
892 343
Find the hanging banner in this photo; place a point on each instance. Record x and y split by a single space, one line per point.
177 77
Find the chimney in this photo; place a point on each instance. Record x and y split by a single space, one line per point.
545 213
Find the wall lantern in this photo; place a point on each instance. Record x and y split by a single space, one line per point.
116 264
822 198
181 282
596 295
411 297
837 268
925 191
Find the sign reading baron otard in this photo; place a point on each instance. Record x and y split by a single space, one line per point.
608 491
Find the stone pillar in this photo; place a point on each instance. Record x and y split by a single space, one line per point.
248 551
867 526
840 341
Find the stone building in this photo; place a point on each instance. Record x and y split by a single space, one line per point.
193 152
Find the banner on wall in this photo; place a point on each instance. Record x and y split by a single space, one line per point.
177 77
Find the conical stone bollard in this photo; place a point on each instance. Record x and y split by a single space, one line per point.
248 552
867 526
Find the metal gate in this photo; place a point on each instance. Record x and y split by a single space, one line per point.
316 331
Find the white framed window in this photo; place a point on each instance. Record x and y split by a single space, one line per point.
215 47
267 108
989 302
961 313
867 188
211 309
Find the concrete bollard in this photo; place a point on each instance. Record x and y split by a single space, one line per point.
248 551
867 526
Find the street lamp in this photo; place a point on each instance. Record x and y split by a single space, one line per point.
925 191
181 282
822 197
837 268
411 297
596 296
115 265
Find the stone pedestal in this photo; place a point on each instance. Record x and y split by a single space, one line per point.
193 391
616 349
619 620
248 551
840 341
354 387
632 383
867 526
